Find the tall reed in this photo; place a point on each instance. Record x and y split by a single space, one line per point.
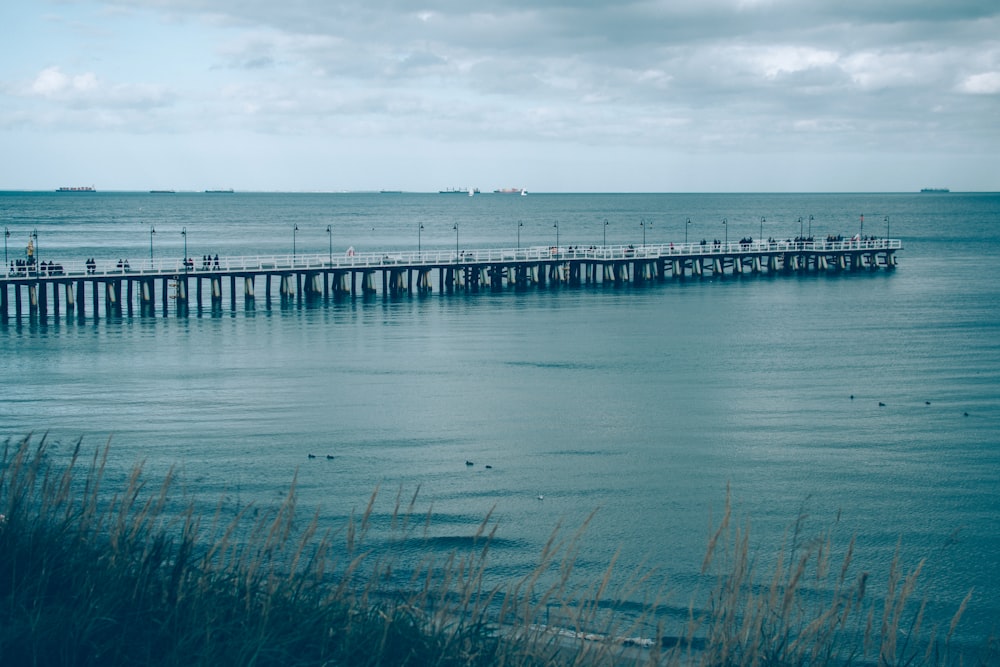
94 572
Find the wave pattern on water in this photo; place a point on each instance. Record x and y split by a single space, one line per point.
639 403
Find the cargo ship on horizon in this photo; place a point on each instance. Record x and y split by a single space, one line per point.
82 188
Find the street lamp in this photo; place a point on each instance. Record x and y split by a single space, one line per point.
861 230
6 235
761 237
800 228
725 225
419 229
556 225
295 230
642 223
886 233
184 233
810 227
329 234
152 230
686 230
519 225
34 237
605 232
456 242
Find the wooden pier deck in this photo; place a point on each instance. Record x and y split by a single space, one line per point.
151 286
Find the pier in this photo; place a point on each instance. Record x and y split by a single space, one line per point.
113 289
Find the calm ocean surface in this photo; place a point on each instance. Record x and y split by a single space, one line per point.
640 403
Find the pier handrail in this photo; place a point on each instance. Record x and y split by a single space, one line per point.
432 258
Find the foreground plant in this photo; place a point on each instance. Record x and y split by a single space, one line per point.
100 573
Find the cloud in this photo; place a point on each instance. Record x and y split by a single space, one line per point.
696 76
987 83
87 91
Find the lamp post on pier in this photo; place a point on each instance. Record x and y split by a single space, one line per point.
519 225
725 226
605 232
184 233
420 228
686 224
329 234
295 230
886 231
34 244
800 229
6 235
761 237
556 225
456 242
152 230
810 227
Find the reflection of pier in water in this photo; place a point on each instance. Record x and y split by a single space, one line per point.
117 289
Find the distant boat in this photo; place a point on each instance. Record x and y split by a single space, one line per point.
927 190
220 192
511 191
390 192
83 188
459 191
162 192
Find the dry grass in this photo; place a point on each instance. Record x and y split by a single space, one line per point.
99 576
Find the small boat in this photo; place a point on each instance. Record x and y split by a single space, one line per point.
219 192
934 190
83 188
511 191
162 192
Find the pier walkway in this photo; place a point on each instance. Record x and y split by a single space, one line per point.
115 288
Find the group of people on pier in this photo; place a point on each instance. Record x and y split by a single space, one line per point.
22 267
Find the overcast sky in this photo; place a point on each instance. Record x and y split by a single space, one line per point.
549 95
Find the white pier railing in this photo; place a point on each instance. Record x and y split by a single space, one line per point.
433 258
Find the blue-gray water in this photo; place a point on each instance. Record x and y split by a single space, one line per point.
642 403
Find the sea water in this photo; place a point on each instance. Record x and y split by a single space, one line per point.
640 405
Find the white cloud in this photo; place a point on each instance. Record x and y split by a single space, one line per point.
719 76
87 90
987 83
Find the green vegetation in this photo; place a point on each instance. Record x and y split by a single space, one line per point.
91 575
